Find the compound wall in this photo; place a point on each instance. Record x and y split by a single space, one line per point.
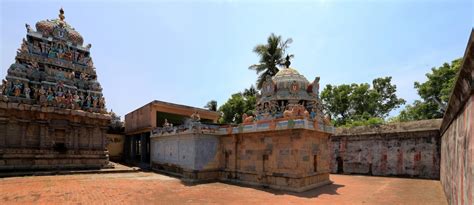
402 149
457 135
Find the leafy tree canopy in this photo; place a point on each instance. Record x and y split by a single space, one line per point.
434 93
238 104
360 102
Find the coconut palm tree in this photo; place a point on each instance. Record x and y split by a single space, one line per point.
271 56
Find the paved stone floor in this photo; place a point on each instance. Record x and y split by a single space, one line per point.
152 188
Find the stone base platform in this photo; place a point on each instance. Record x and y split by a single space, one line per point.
21 159
41 138
108 169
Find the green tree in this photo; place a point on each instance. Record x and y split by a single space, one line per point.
434 93
356 103
211 105
250 91
271 55
238 104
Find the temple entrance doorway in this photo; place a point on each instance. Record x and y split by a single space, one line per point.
340 164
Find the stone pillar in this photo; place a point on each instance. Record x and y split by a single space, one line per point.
3 138
44 135
76 138
89 135
23 134
126 148
104 137
133 147
143 150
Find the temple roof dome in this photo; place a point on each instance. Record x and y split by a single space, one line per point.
289 75
47 29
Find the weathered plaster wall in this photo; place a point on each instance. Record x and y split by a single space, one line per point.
401 149
139 119
457 163
457 135
187 151
115 146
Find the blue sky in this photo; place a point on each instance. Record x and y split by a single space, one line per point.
190 52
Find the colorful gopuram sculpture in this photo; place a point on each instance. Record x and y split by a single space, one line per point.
54 69
52 110
289 95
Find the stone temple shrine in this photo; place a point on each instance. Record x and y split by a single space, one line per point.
284 145
52 111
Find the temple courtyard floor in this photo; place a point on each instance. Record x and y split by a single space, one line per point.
153 188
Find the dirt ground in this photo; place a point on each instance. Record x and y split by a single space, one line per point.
153 188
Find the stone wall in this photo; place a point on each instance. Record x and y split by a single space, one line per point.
186 153
457 135
34 137
293 159
286 156
401 149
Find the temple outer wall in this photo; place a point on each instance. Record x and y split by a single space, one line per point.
293 159
191 155
410 149
457 135
41 138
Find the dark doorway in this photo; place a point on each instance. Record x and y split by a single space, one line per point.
315 163
226 165
60 141
340 164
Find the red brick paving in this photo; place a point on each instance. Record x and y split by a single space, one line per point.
152 188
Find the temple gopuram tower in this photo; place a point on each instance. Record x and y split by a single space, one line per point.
52 111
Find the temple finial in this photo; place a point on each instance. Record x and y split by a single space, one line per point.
287 62
61 14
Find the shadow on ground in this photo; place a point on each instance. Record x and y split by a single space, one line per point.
330 189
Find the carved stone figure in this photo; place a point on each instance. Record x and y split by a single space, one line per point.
288 113
327 120
306 114
3 88
24 47
90 63
50 98
42 96
246 118
28 27
94 101
76 101
17 88
88 101
27 91
195 117
36 48
101 102
84 76
313 113
166 124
